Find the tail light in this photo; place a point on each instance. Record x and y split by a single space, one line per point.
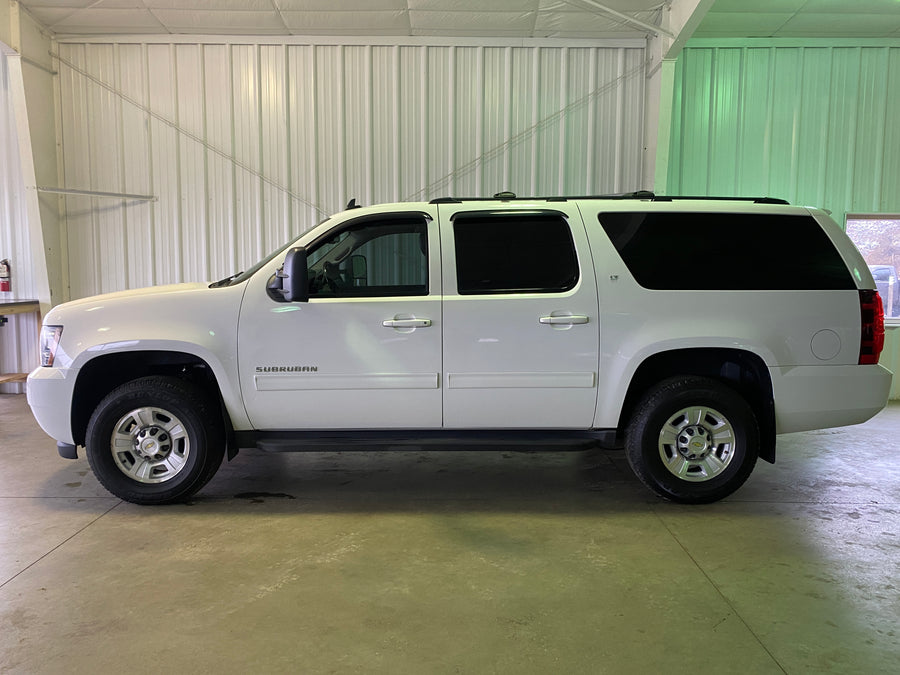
872 336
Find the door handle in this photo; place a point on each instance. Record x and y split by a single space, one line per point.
406 323
564 320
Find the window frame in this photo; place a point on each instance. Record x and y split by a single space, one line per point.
388 219
633 251
506 214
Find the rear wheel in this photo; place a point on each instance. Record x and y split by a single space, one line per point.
692 440
155 440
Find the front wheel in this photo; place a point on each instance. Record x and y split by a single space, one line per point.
155 440
692 440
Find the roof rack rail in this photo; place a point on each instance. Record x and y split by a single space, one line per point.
639 194
770 200
755 200
510 196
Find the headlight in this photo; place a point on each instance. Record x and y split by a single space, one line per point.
49 341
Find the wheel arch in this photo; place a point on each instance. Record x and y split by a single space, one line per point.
102 374
743 371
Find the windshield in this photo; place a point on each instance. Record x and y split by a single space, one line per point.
243 276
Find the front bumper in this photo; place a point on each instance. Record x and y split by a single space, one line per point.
49 393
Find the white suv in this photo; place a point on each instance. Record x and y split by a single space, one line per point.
691 330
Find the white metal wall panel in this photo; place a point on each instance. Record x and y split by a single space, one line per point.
220 171
19 337
247 145
164 157
77 170
813 122
134 136
192 162
524 119
413 105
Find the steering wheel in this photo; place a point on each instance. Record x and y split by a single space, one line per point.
332 275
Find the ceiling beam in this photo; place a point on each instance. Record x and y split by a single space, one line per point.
655 30
683 18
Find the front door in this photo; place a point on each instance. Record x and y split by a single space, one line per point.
365 351
521 318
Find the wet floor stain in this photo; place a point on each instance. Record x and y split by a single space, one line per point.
260 497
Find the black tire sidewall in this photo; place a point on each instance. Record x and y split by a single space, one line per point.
181 399
658 406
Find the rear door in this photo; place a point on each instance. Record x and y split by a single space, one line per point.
521 319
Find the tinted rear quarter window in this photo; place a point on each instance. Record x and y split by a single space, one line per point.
514 253
726 251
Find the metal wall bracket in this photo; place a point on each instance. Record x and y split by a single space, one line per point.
96 193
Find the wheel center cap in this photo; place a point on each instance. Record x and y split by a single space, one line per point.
146 443
694 442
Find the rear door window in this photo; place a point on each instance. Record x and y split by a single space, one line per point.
519 252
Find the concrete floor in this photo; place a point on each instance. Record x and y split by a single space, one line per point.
454 562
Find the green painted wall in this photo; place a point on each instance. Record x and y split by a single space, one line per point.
815 122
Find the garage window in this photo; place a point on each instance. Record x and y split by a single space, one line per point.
877 236
499 252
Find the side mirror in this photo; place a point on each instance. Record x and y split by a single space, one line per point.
291 281
296 283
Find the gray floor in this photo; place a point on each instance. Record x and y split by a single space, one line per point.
454 562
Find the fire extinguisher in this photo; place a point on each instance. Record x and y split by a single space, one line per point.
5 273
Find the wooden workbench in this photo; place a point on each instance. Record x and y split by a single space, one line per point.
16 306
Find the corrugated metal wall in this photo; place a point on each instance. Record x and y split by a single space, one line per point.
19 337
248 145
814 122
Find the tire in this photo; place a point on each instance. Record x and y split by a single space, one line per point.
692 440
155 440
